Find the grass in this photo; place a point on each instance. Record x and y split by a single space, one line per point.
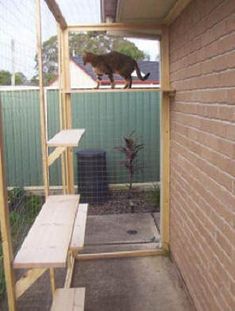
21 218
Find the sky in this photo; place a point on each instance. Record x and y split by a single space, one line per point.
18 23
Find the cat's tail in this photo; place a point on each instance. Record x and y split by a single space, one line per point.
139 73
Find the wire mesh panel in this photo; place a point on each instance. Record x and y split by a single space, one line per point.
19 96
122 128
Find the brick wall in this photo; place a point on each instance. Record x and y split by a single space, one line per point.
202 199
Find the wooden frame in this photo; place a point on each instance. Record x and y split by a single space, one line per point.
115 26
43 126
5 229
175 11
165 141
55 10
15 290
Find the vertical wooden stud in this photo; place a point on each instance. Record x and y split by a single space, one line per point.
66 104
5 231
42 101
52 280
61 100
165 139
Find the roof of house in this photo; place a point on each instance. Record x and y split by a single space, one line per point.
145 67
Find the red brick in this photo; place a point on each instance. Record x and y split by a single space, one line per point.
202 185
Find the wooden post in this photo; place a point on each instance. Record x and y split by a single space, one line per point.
66 106
165 140
42 101
61 100
5 230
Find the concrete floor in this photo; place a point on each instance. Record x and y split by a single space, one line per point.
115 229
127 284
133 284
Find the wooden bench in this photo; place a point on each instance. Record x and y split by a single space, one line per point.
69 299
53 241
48 240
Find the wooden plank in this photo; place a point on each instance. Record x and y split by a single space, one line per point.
66 138
27 280
52 280
69 299
55 154
175 11
47 243
114 26
116 90
61 107
122 254
78 236
43 127
66 109
70 269
55 10
165 141
5 229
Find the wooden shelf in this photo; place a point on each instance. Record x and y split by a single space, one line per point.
69 299
48 240
118 90
66 138
109 90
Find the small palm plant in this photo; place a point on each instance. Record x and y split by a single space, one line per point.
130 150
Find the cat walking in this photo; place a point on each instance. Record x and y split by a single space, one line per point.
111 63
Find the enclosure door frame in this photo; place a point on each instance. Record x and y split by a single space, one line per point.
165 90
65 117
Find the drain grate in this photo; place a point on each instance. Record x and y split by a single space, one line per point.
132 232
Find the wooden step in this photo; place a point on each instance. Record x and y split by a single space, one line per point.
47 242
69 299
66 138
78 236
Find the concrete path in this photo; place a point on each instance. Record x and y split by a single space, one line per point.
121 228
127 284
131 284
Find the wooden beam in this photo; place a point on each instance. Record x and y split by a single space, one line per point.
165 141
122 254
55 154
55 10
5 229
42 100
61 99
27 280
67 109
52 280
175 11
114 26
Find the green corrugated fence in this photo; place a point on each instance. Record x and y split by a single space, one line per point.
107 117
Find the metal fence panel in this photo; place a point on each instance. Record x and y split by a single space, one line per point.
107 117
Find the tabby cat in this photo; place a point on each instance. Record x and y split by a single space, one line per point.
113 62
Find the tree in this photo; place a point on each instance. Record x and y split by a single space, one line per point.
96 42
5 77
20 78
